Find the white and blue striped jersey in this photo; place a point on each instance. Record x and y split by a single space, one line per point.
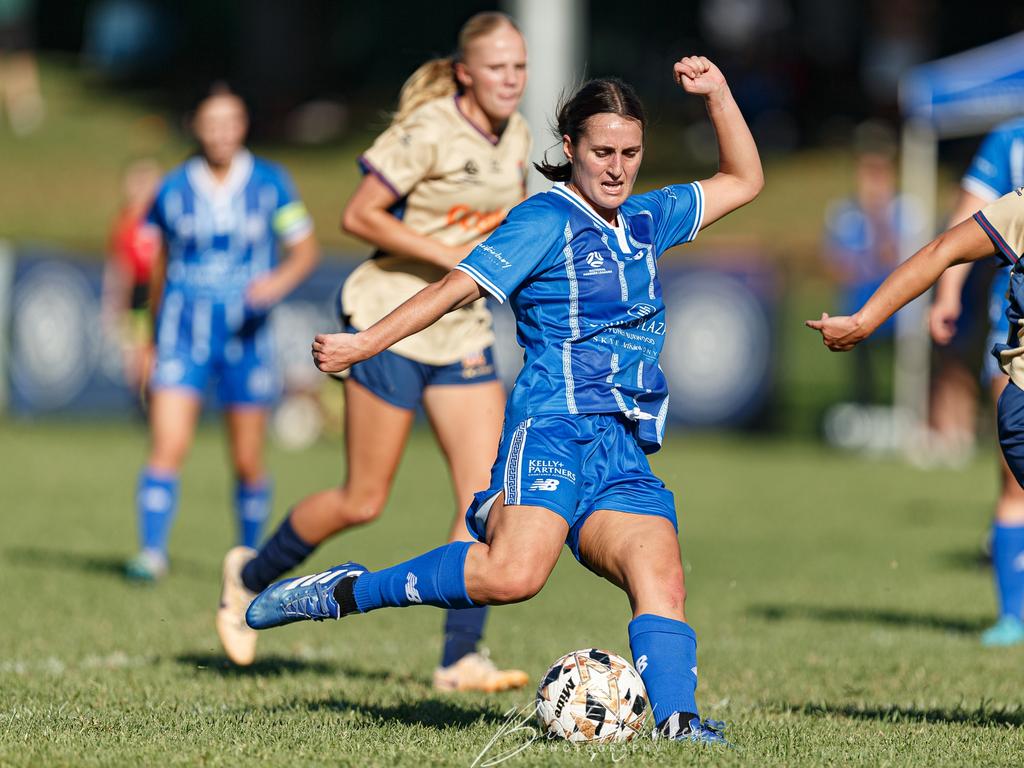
588 302
220 236
998 165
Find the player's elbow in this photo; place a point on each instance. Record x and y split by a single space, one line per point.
353 222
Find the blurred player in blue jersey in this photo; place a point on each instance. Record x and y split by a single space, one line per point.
998 228
223 217
437 181
579 267
997 168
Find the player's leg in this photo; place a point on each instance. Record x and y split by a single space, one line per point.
375 435
522 548
247 430
467 421
173 413
1008 526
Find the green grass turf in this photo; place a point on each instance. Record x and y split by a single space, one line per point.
837 602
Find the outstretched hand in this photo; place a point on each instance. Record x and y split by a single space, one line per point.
696 74
335 352
840 334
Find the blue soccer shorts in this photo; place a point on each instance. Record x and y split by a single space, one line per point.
400 381
1010 420
573 466
197 343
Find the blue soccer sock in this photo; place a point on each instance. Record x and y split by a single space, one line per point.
463 628
156 502
252 507
665 655
435 578
1008 566
283 551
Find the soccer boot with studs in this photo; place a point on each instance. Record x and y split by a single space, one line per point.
306 598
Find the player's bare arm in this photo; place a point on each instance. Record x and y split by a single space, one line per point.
740 178
367 216
334 352
963 243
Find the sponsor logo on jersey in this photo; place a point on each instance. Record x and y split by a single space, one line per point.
471 168
549 467
411 593
641 310
544 484
473 220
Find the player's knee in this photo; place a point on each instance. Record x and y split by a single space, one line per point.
516 582
359 506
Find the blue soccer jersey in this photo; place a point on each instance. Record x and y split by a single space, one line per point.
588 302
996 170
219 237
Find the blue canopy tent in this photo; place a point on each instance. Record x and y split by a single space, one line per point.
961 95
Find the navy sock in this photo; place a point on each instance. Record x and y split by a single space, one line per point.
665 655
435 578
1008 567
463 628
156 503
282 552
252 507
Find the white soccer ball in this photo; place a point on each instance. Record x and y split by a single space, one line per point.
591 696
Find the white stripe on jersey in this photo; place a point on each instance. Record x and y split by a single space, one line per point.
623 285
698 220
640 375
615 387
659 424
202 330
170 317
479 279
514 464
979 188
574 322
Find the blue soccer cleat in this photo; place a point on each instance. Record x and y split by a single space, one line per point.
1009 630
300 599
710 732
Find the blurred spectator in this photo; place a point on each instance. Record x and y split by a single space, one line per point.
19 75
126 277
862 244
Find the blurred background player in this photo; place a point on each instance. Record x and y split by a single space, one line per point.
578 265
223 216
998 228
862 239
20 96
997 169
445 173
127 274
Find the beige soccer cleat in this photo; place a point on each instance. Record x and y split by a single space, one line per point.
476 672
238 639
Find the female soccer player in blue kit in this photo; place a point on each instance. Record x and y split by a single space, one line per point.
222 217
578 265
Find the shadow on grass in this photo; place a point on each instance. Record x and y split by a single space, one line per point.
966 559
99 563
265 666
981 717
883 616
431 713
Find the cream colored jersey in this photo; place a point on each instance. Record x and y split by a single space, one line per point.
454 184
1003 222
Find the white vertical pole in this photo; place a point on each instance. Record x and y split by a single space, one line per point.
554 37
6 285
911 379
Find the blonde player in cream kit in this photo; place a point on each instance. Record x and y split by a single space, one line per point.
436 182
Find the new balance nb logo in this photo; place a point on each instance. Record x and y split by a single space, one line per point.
411 593
641 664
544 484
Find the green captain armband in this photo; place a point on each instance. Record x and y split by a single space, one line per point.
292 221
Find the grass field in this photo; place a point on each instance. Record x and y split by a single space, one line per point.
837 602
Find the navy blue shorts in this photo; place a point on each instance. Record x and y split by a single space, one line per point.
1010 412
401 381
573 466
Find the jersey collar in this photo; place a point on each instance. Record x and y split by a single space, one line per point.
619 230
203 181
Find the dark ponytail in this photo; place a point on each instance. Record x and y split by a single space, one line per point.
595 97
